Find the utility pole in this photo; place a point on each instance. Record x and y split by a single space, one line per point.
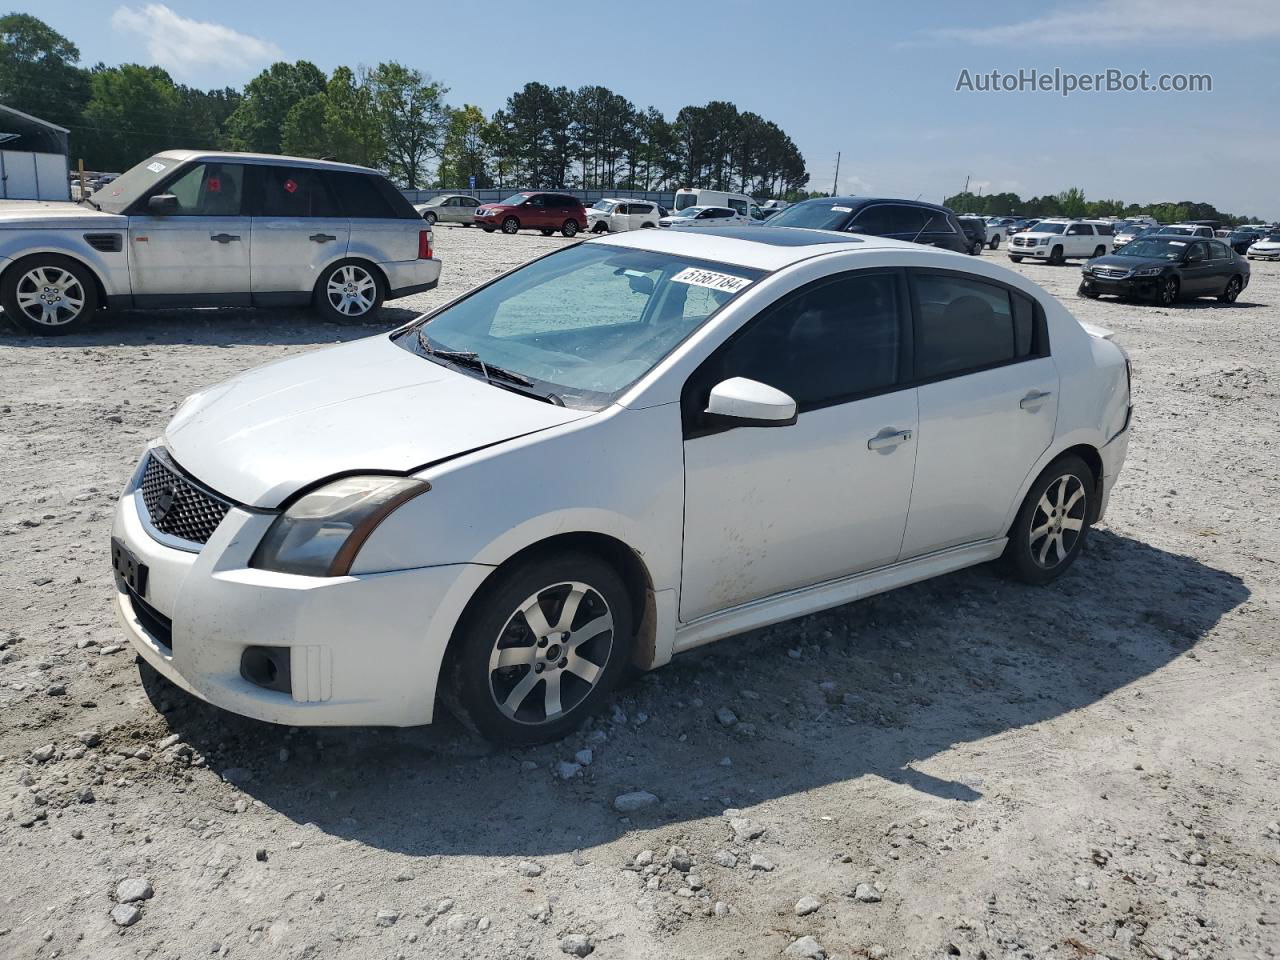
966 184
835 184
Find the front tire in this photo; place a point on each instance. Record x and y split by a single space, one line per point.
49 295
570 228
1088 292
510 225
1168 291
1234 286
975 248
1015 259
350 291
1050 529
542 645
1057 257
599 228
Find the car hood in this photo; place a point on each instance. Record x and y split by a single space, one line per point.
366 405
34 214
1265 245
1130 263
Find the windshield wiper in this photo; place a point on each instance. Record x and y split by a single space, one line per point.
469 358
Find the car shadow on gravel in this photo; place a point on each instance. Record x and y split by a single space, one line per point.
870 690
213 326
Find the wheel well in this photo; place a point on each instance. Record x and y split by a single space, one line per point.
1093 460
360 260
97 280
624 560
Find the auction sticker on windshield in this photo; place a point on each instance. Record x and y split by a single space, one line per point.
156 167
709 278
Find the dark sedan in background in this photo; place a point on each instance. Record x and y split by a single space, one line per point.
910 220
1167 269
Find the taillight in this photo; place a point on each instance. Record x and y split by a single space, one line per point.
424 244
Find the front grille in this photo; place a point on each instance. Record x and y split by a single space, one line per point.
152 620
1110 273
178 506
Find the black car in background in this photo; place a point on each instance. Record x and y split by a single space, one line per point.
1241 240
900 219
975 228
1167 268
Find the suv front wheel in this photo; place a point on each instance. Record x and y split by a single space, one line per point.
349 291
48 295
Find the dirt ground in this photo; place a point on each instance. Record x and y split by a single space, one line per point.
968 767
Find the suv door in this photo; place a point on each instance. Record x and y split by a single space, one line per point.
988 406
298 230
384 227
620 217
199 252
1078 240
769 510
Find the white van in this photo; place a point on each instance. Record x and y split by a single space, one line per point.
737 202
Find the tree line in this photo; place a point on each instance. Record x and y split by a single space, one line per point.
1072 203
395 117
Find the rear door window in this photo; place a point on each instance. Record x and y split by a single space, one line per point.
964 324
296 192
738 206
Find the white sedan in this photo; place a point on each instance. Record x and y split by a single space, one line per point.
705 217
615 453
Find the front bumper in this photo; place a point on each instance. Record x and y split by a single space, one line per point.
1028 251
1122 287
1263 254
363 650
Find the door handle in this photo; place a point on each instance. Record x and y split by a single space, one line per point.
1035 399
223 237
323 237
887 440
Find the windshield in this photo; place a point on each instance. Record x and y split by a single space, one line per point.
1179 231
515 200
690 211
586 322
686 200
814 214
1155 248
133 183
605 205
1049 227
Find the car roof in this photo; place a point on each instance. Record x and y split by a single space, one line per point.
182 156
863 201
761 248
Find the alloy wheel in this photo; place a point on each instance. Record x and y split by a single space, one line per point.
510 225
351 290
1169 291
1232 291
50 296
551 653
1057 521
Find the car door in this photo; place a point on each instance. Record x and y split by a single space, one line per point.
383 226
1222 260
198 251
988 406
467 209
1078 240
298 230
640 214
1198 271
773 509
620 217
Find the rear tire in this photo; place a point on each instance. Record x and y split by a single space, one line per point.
546 231
1053 522
1098 252
975 248
1234 286
430 218
49 295
994 244
519 680
350 291
487 229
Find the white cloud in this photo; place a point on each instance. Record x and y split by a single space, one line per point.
185 47
1132 24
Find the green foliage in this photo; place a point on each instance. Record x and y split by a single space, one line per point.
133 111
1072 203
411 113
465 151
258 122
38 72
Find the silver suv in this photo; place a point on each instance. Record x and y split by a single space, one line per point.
189 228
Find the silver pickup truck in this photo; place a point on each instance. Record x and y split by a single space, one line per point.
192 228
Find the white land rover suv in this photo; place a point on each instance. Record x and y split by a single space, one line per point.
1058 240
197 229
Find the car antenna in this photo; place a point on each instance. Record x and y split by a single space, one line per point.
916 238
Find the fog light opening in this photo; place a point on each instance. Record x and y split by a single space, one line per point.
267 667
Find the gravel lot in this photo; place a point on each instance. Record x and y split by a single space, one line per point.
968 767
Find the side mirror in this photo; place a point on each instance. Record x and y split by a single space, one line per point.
163 203
739 402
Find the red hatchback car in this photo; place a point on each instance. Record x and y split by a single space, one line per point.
547 212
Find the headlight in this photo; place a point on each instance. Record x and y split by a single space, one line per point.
1043 241
320 535
1147 272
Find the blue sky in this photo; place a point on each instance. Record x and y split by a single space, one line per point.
876 81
